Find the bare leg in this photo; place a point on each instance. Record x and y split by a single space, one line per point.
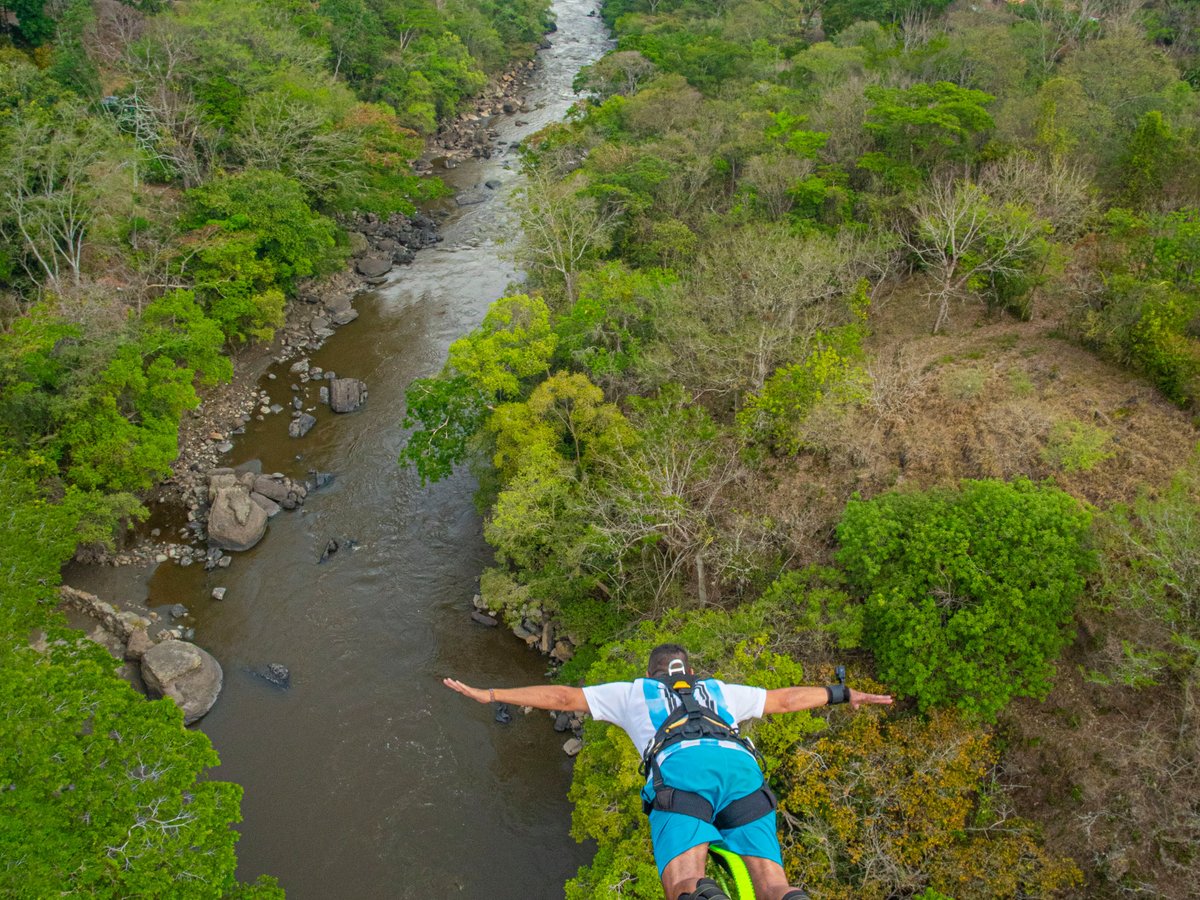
682 873
769 881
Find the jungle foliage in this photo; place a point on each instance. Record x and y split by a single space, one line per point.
710 236
169 175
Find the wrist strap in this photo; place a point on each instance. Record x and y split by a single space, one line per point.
838 693
492 694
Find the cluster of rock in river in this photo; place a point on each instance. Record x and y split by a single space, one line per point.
541 635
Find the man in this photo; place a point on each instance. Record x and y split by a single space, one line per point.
704 783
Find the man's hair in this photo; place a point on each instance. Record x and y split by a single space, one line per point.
663 655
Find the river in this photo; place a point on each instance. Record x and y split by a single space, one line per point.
367 778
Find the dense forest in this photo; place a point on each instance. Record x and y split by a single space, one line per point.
855 331
169 174
869 331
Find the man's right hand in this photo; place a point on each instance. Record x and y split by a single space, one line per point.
477 694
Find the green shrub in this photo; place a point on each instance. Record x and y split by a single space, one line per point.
968 592
1077 447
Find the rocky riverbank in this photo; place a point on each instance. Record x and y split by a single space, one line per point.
377 246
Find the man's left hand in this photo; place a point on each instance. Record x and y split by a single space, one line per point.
858 698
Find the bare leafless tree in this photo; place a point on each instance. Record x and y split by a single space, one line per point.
561 227
115 28
47 188
280 134
962 237
1056 188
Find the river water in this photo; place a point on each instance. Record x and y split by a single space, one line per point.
368 778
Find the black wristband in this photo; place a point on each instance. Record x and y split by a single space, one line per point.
838 693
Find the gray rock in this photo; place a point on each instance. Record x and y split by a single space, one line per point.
562 722
572 746
345 316
224 562
373 266
271 488
483 619
270 507
301 425
492 183
178 611
235 522
109 641
320 480
219 479
277 674
185 673
562 651
346 394
470 198
299 366
218 593
323 392
137 645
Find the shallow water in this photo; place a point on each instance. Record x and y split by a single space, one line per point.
367 778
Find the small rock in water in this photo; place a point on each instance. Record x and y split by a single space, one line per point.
503 716
562 722
483 619
178 611
161 557
572 746
185 562
277 674
218 593
330 548
224 562
276 408
224 447
320 480
301 425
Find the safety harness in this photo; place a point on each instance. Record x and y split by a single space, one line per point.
688 722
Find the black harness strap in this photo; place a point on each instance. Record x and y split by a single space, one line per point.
691 721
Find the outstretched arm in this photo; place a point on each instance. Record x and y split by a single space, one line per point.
539 696
794 699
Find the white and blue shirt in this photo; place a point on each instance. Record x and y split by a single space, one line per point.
640 707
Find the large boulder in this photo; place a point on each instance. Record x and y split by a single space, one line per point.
374 266
346 394
185 673
235 522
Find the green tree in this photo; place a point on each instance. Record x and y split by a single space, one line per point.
256 235
106 792
968 593
915 128
512 346
838 14
1148 160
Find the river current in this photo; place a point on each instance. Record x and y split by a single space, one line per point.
367 778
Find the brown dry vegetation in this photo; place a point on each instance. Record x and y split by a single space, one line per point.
980 400
1110 771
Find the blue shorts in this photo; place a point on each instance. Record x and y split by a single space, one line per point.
721 773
